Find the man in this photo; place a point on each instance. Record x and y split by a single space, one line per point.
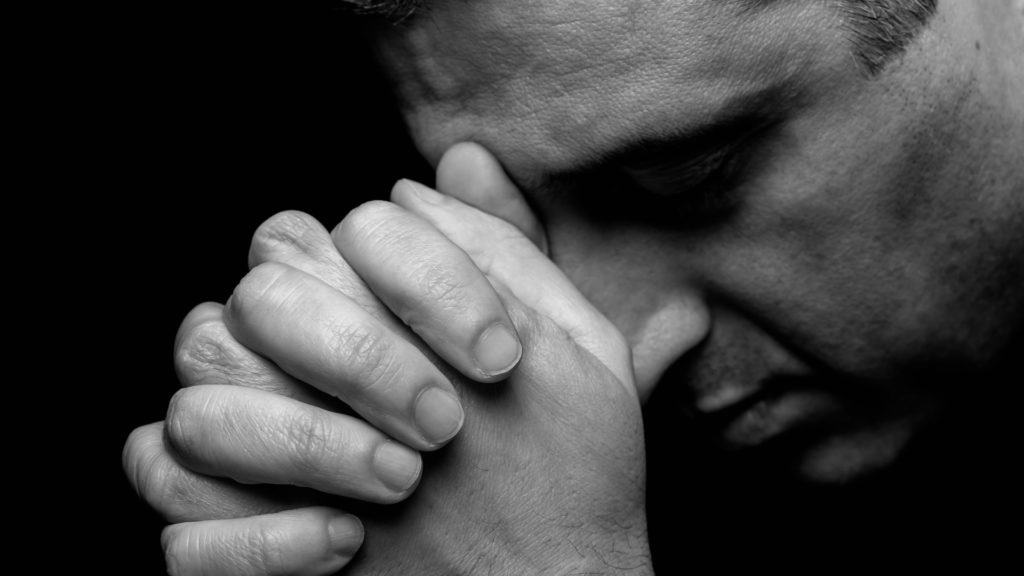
803 219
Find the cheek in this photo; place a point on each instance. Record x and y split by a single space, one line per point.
853 255
823 266
872 238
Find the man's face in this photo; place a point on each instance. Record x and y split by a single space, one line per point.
810 250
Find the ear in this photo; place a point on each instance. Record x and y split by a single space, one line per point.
470 173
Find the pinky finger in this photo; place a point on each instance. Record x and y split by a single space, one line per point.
303 542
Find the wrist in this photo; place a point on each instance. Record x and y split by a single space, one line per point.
624 554
609 567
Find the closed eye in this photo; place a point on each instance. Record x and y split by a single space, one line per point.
670 179
693 173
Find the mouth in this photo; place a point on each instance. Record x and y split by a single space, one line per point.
782 409
811 429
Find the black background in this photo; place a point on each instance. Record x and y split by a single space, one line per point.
190 123
193 123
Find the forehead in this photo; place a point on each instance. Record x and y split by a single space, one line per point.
551 84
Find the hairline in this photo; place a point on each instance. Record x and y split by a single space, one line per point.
879 30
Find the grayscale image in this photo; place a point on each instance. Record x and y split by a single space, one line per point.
571 287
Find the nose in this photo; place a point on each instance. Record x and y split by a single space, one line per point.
669 326
645 282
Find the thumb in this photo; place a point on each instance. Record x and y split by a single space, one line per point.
504 253
470 173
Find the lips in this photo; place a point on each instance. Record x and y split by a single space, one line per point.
776 410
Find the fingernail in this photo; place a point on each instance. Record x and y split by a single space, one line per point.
438 414
424 193
497 351
397 466
346 534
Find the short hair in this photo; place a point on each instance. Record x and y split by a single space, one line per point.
880 30
392 10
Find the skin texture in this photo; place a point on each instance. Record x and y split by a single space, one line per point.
862 288
548 477
856 265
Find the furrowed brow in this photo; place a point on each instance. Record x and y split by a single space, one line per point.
731 122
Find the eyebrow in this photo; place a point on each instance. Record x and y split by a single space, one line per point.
731 123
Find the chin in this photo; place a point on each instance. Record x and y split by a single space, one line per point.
853 457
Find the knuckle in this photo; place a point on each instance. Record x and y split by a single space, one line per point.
207 354
290 230
185 413
175 493
175 542
265 547
200 314
139 458
444 286
269 283
165 486
369 223
365 351
204 351
310 440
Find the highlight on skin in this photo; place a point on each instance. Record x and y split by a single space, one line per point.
880 30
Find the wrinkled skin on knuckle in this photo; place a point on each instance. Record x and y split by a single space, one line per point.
365 351
177 426
442 285
258 549
180 494
190 415
163 486
373 227
139 460
265 548
268 286
169 543
207 354
310 442
203 353
289 230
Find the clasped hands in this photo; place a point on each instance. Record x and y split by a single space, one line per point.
433 322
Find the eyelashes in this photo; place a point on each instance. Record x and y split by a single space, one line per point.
705 187
671 183
695 188
669 179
